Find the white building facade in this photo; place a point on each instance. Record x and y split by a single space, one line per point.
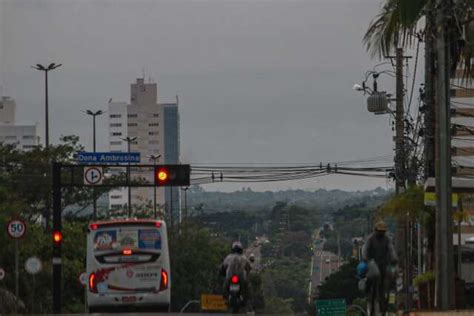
21 136
144 119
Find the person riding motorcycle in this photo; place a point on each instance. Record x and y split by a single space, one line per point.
379 253
236 264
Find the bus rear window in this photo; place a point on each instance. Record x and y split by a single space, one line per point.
127 237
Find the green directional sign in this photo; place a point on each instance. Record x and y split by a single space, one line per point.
335 307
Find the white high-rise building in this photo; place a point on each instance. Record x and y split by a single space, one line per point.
144 118
21 136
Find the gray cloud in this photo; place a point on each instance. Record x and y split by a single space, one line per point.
259 81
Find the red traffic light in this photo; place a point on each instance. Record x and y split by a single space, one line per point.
172 175
162 175
57 237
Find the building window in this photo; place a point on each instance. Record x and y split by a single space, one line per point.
114 197
116 143
156 115
153 133
116 206
132 124
1 106
134 143
117 134
28 137
154 124
28 146
154 142
115 115
133 115
115 125
10 137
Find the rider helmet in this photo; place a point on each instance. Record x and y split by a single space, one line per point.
237 247
381 226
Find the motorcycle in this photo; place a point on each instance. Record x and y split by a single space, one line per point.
235 294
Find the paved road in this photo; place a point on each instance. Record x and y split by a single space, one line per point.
255 249
324 263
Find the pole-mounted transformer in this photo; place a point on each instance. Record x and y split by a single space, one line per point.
377 103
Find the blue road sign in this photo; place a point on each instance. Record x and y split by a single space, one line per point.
107 157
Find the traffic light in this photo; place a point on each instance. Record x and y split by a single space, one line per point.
172 175
57 237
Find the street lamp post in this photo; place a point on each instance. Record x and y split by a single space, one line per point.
129 139
47 69
155 158
185 189
94 114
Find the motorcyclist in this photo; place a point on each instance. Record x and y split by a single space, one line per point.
236 264
379 249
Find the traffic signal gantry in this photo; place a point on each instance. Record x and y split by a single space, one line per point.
73 175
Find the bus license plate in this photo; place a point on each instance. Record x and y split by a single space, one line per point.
129 299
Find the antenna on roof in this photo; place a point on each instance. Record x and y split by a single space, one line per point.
143 73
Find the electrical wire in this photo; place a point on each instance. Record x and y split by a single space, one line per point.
414 74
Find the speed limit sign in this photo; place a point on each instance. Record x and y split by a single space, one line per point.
16 228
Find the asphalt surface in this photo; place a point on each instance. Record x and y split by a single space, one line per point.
255 249
324 263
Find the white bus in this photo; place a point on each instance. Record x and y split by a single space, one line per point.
128 266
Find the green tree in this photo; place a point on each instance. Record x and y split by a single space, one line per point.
342 284
195 264
26 179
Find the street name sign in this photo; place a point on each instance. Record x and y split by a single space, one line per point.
335 307
107 157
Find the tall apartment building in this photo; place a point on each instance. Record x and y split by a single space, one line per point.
156 127
21 136
462 141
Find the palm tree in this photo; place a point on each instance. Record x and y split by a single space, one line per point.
400 23
396 25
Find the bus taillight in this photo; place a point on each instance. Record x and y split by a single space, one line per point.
164 280
92 283
127 252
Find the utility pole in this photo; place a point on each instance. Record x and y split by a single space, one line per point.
429 93
400 163
400 167
444 227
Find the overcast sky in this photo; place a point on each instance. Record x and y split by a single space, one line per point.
258 81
